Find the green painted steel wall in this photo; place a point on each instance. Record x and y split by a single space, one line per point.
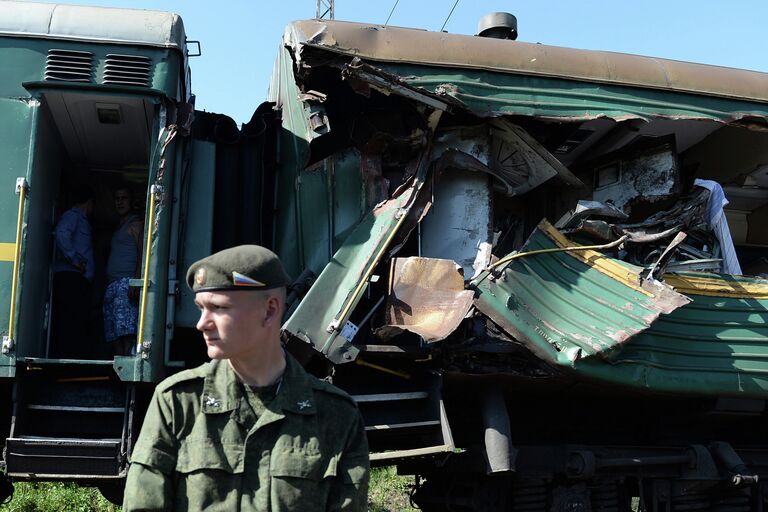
29 148
293 154
47 153
15 129
318 206
23 60
196 243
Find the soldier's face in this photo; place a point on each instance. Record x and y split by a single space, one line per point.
235 325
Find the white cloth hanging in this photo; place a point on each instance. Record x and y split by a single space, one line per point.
719 224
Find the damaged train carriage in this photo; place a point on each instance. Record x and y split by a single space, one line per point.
525 267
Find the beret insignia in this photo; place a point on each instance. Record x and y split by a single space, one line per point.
239 279
200 276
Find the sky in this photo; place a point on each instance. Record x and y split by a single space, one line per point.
240 38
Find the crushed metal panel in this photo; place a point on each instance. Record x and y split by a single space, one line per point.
715 345
334 285
323 313
364 76
427 297
570 305
576 84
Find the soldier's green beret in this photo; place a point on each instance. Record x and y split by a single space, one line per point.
246 267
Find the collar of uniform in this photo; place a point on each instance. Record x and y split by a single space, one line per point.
296 393
220 392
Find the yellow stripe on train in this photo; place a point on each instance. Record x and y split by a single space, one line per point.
7 251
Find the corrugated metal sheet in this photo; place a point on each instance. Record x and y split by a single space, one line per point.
83 23
716 344
409 46
493 94
566 306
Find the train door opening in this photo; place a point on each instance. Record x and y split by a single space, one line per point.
86 145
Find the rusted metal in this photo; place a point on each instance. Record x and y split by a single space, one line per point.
427 297
389 84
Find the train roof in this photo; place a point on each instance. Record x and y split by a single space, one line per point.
380 43
85 23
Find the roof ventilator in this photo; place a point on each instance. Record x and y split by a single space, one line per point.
69 66
498 25
127 70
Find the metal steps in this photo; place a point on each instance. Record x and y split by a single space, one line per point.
62 458
407 424
70 421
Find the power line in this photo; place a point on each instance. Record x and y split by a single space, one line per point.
390 12
449 15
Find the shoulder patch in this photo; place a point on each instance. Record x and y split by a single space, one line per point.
183 376
329 388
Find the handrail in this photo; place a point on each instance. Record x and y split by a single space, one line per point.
154 189
21 189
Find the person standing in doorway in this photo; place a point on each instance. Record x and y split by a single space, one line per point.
73 271
121 308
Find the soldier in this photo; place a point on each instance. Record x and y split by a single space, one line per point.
250 430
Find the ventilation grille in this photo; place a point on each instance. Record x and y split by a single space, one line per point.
69 66
127 70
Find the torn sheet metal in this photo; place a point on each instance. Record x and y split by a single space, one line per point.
498 77
715 345
364 76
507 152
322 314
427 297
570 305
340 277
585 209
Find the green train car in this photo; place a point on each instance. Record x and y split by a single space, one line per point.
517 258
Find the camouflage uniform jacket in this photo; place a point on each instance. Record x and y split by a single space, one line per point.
202 446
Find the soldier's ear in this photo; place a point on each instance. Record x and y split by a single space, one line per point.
272 310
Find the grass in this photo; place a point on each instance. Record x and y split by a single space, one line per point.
56 497
389 492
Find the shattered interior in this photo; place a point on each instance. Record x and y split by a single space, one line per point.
454 191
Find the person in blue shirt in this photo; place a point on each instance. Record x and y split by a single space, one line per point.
73 271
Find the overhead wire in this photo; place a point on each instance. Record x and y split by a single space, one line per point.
390 12
449 15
